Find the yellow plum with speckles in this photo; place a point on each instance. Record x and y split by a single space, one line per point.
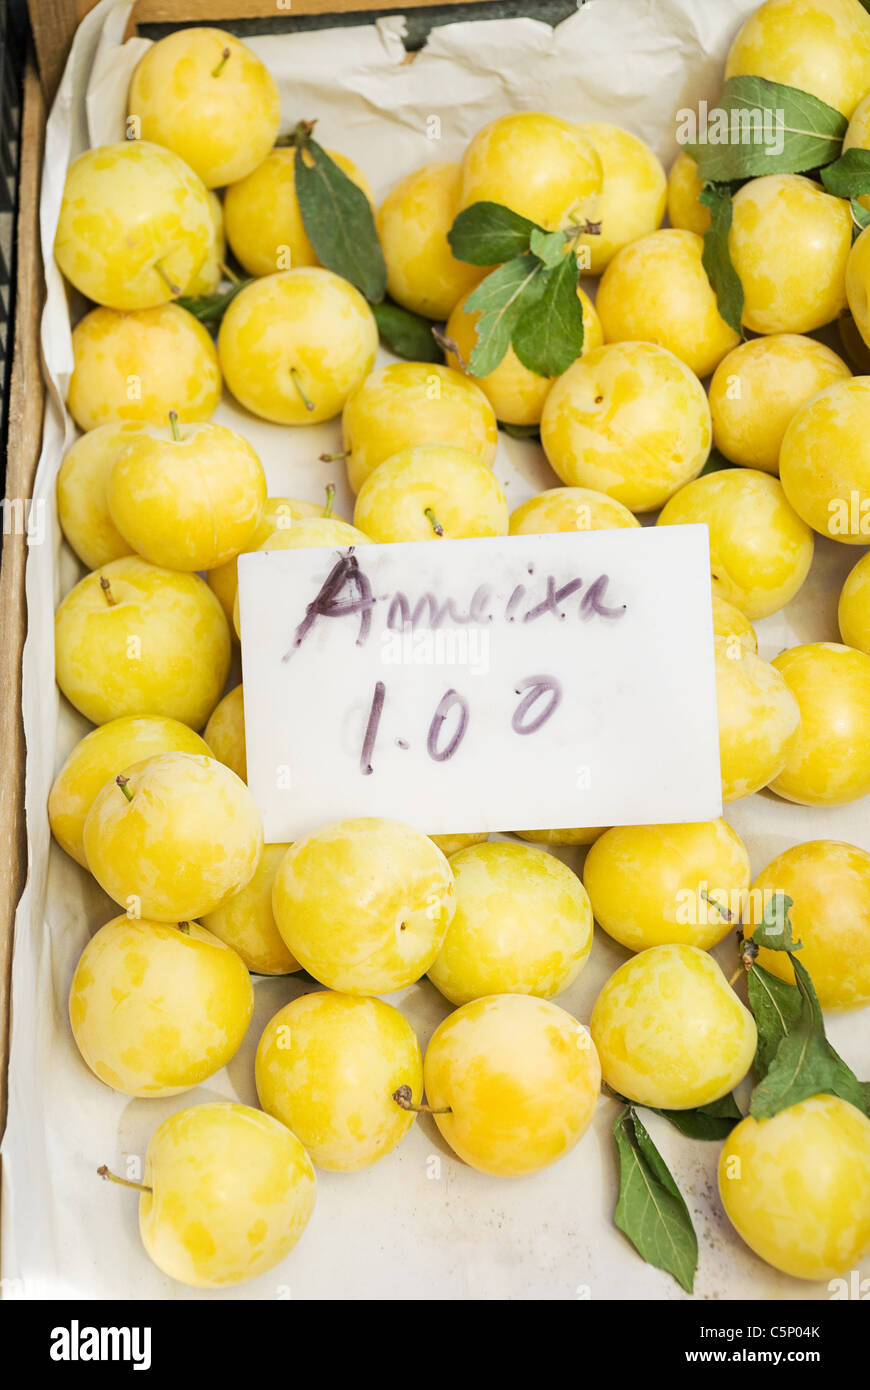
132 638
684 187
633 192
205 95
157 1008
408 403
293 346
308 531
519 1080
247 923
413 221
81 494
263 221
584 835
853 613
232 1192
789 243
824 465
658 885
328 1065
760 549
364 904
102 754
135 225
140 366
523 925
734 626
516 394
180 838
796 1187
758 717
569 509
670 1031
542 167
829 763
463 495
208 277
829 884
225 733
819 46
452 844
279 513
628 419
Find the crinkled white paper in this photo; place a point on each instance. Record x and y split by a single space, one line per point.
420 1224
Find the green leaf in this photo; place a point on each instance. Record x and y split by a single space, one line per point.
650 1210
848 176
810 132
805 1063
338 220
549 247
860 215
501 298
713 1121
488 233
716 256
210 308
774 930
406 334
548 337
776 1006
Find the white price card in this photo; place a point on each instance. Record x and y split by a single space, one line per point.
512 683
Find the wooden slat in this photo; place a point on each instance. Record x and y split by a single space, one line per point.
27 396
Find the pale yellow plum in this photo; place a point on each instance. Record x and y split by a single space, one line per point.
134 225
517 1079
176 836
139 366
452 844
188 497
156 1007
307 532
247 923
853 612
759 719
801 285
819 46
516 394
263 222
656 290
131 638
585 835
225 733
278 514
661 885
796 1187
858 285
828 882
432 490
670 1031
824 465
759 387
684 187
734 626
293 346
633 193
829 763
407 403
569 509
628 419
205 95
413 221
328 1066
540 166
208 277
81 494
364 904
523 925
760 549
101 755
232 1190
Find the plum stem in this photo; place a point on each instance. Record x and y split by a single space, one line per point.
167 279
109 1176
123 783
173 425
402 1097
216 71
228 273
107 591
330 501
433 521
334 458
306 400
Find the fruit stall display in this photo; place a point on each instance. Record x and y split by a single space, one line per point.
293 302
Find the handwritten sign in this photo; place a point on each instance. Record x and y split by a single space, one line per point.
504 684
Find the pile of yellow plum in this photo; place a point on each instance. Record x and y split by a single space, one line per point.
158 502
